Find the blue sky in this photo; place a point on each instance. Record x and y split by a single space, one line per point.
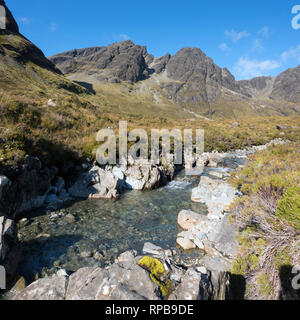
250 38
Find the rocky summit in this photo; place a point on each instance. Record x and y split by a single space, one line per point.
189 79
226 227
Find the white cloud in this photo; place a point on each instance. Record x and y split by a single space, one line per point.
236 36
247 68
53 27
264 32
257 45
224 47
293 53
24 20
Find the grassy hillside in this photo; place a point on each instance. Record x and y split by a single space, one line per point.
269 220
67 131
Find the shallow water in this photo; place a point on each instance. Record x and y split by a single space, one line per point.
105 227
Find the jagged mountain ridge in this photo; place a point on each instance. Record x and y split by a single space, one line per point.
191 76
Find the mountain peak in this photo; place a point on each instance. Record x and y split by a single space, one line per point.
8 20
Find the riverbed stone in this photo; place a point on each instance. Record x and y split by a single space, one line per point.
152 249
187 219
186 244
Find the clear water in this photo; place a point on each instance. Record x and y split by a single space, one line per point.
105 227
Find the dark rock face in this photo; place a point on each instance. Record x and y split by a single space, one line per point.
120 61
287 86
199 78
10 22
191 78
9 249
26 188
159 64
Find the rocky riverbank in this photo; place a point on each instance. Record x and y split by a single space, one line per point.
212 234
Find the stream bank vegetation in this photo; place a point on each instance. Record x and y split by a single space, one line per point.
268 218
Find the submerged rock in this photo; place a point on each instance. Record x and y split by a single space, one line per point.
187 219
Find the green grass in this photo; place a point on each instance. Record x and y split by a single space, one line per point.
269 220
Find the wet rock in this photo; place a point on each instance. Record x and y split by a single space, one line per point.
187 219
152 249
53 288
69 218
186 244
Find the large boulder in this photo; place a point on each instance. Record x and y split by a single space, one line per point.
96 183
124 280
27 189
45 289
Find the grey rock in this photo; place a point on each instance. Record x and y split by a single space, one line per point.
216 263
152 249
194 286
28 189
127 282
95 183
287 86
45 289
119 61
223 238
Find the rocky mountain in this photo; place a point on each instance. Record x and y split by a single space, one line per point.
287 86
189 79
